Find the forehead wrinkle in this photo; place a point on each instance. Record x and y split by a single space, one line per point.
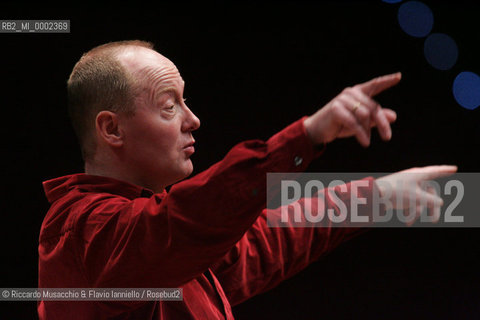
159 80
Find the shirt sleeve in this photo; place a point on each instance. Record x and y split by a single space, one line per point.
265 256
168 239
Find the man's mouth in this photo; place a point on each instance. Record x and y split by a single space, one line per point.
189 148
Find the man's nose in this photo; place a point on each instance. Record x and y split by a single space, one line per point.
191 122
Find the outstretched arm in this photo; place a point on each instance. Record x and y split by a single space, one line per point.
266 256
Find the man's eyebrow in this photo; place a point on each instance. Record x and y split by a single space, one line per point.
163 91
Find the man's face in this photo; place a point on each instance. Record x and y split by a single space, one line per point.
158 138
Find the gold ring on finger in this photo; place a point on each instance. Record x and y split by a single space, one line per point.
356 106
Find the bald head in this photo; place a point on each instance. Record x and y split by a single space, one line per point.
108 77
127 104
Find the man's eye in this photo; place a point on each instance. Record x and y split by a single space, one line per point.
171 107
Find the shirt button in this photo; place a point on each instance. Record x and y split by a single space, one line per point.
298 161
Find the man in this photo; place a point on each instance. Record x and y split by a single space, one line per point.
116 227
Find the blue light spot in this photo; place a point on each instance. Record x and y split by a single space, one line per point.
441 51
392 1
466 90
415 18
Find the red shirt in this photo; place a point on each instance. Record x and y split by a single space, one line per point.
207 235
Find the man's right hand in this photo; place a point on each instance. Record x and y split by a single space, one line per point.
407 183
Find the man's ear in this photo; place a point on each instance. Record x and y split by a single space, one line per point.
108 129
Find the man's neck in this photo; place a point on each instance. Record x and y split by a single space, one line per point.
116 172
110 167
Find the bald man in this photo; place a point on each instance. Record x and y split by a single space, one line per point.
115 226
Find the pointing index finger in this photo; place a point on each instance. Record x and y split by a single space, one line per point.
379 84
434 172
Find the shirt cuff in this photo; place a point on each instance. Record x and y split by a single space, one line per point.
296 144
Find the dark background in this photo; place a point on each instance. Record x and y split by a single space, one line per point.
251 69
